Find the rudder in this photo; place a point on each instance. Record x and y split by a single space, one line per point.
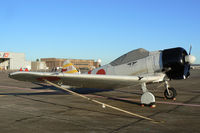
69 68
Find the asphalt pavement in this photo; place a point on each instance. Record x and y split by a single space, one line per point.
41 108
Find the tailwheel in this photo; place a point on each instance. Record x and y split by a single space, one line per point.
170 93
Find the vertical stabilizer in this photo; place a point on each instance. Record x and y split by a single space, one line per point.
69 68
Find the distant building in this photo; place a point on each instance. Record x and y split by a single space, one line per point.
38 65
53 62
78 63
13 61
195 66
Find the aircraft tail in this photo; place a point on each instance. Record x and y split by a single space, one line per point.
69 68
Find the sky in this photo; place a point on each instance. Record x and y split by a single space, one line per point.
97 29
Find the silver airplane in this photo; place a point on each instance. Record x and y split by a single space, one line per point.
136 67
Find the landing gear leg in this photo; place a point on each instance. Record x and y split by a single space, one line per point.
147 97
170 92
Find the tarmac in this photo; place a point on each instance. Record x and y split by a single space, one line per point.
41 108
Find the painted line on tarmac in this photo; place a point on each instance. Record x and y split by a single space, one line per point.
180 104
159 102
104 104
129 99
171 103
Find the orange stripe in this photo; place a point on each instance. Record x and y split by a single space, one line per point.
72 71
70 64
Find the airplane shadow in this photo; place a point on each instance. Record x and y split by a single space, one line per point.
89 91
47 87
138 93
122 100
77 90
58 91
126 101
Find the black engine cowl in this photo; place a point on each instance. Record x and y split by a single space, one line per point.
174 64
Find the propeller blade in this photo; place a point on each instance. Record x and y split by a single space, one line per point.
186 71
190 49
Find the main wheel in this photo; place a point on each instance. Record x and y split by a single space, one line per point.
147 98
172 93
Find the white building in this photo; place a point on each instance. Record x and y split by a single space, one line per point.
13 61
38 65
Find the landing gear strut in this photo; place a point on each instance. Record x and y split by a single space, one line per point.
170 92
147 97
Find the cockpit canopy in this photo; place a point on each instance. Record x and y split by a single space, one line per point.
130 56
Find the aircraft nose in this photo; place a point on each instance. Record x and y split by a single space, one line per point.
190 59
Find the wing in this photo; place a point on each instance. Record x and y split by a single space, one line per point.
84 80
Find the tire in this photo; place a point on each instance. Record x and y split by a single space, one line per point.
172 92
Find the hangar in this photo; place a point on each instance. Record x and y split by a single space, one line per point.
78 63
13 61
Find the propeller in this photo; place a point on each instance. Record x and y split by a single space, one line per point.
189 59
186 71
190 49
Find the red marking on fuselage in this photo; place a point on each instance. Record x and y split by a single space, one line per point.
64 70
101 71
89 72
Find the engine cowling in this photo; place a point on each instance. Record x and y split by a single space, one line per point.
176 63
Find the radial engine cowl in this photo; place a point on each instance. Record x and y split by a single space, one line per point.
176 63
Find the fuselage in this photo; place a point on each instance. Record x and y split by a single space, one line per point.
174 62
145 65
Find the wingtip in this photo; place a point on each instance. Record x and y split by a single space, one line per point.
10 75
